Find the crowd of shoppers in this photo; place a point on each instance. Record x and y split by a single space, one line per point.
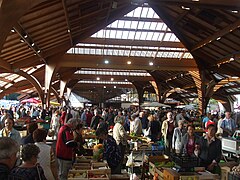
174 128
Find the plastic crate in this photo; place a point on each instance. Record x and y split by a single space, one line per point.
185 161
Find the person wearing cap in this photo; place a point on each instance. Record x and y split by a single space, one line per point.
209 148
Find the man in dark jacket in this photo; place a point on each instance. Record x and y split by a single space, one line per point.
8 156
210 149
95 120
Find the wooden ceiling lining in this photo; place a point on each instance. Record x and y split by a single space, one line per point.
18 56
54 42
14 53
46 34
50 7
13 47
34 27
54 37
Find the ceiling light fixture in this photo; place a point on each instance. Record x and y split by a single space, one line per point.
32 44
129 62
68 31
234 77
234 11
21 40
106 61
38 51
112 79
195 0
98 78
218 38
12 30
104 87
231 59
150 63
185 8
126 80
114 87
25 36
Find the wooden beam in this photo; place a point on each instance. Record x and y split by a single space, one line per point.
117 62
67 20
147 43
220 4
216 35
108 77
127 48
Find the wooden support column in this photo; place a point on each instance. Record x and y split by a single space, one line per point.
140 92
63 84
157 88
54 91
50 70
199 79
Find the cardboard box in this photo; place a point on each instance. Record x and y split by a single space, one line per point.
169 174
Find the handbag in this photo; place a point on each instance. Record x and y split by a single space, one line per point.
39 176
148 132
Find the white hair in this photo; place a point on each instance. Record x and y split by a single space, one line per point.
74 122
8 147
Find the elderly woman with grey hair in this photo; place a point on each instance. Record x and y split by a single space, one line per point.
8 156
65 147
120 135
178 134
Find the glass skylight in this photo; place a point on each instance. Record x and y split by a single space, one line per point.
142 25
104 82
113 73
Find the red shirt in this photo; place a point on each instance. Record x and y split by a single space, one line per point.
62 150
62 118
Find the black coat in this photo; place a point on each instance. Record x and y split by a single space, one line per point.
209 152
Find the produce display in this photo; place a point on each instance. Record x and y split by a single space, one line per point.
97 152
165 164
77 174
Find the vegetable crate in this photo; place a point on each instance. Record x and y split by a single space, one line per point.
84 159
77 175
81 166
